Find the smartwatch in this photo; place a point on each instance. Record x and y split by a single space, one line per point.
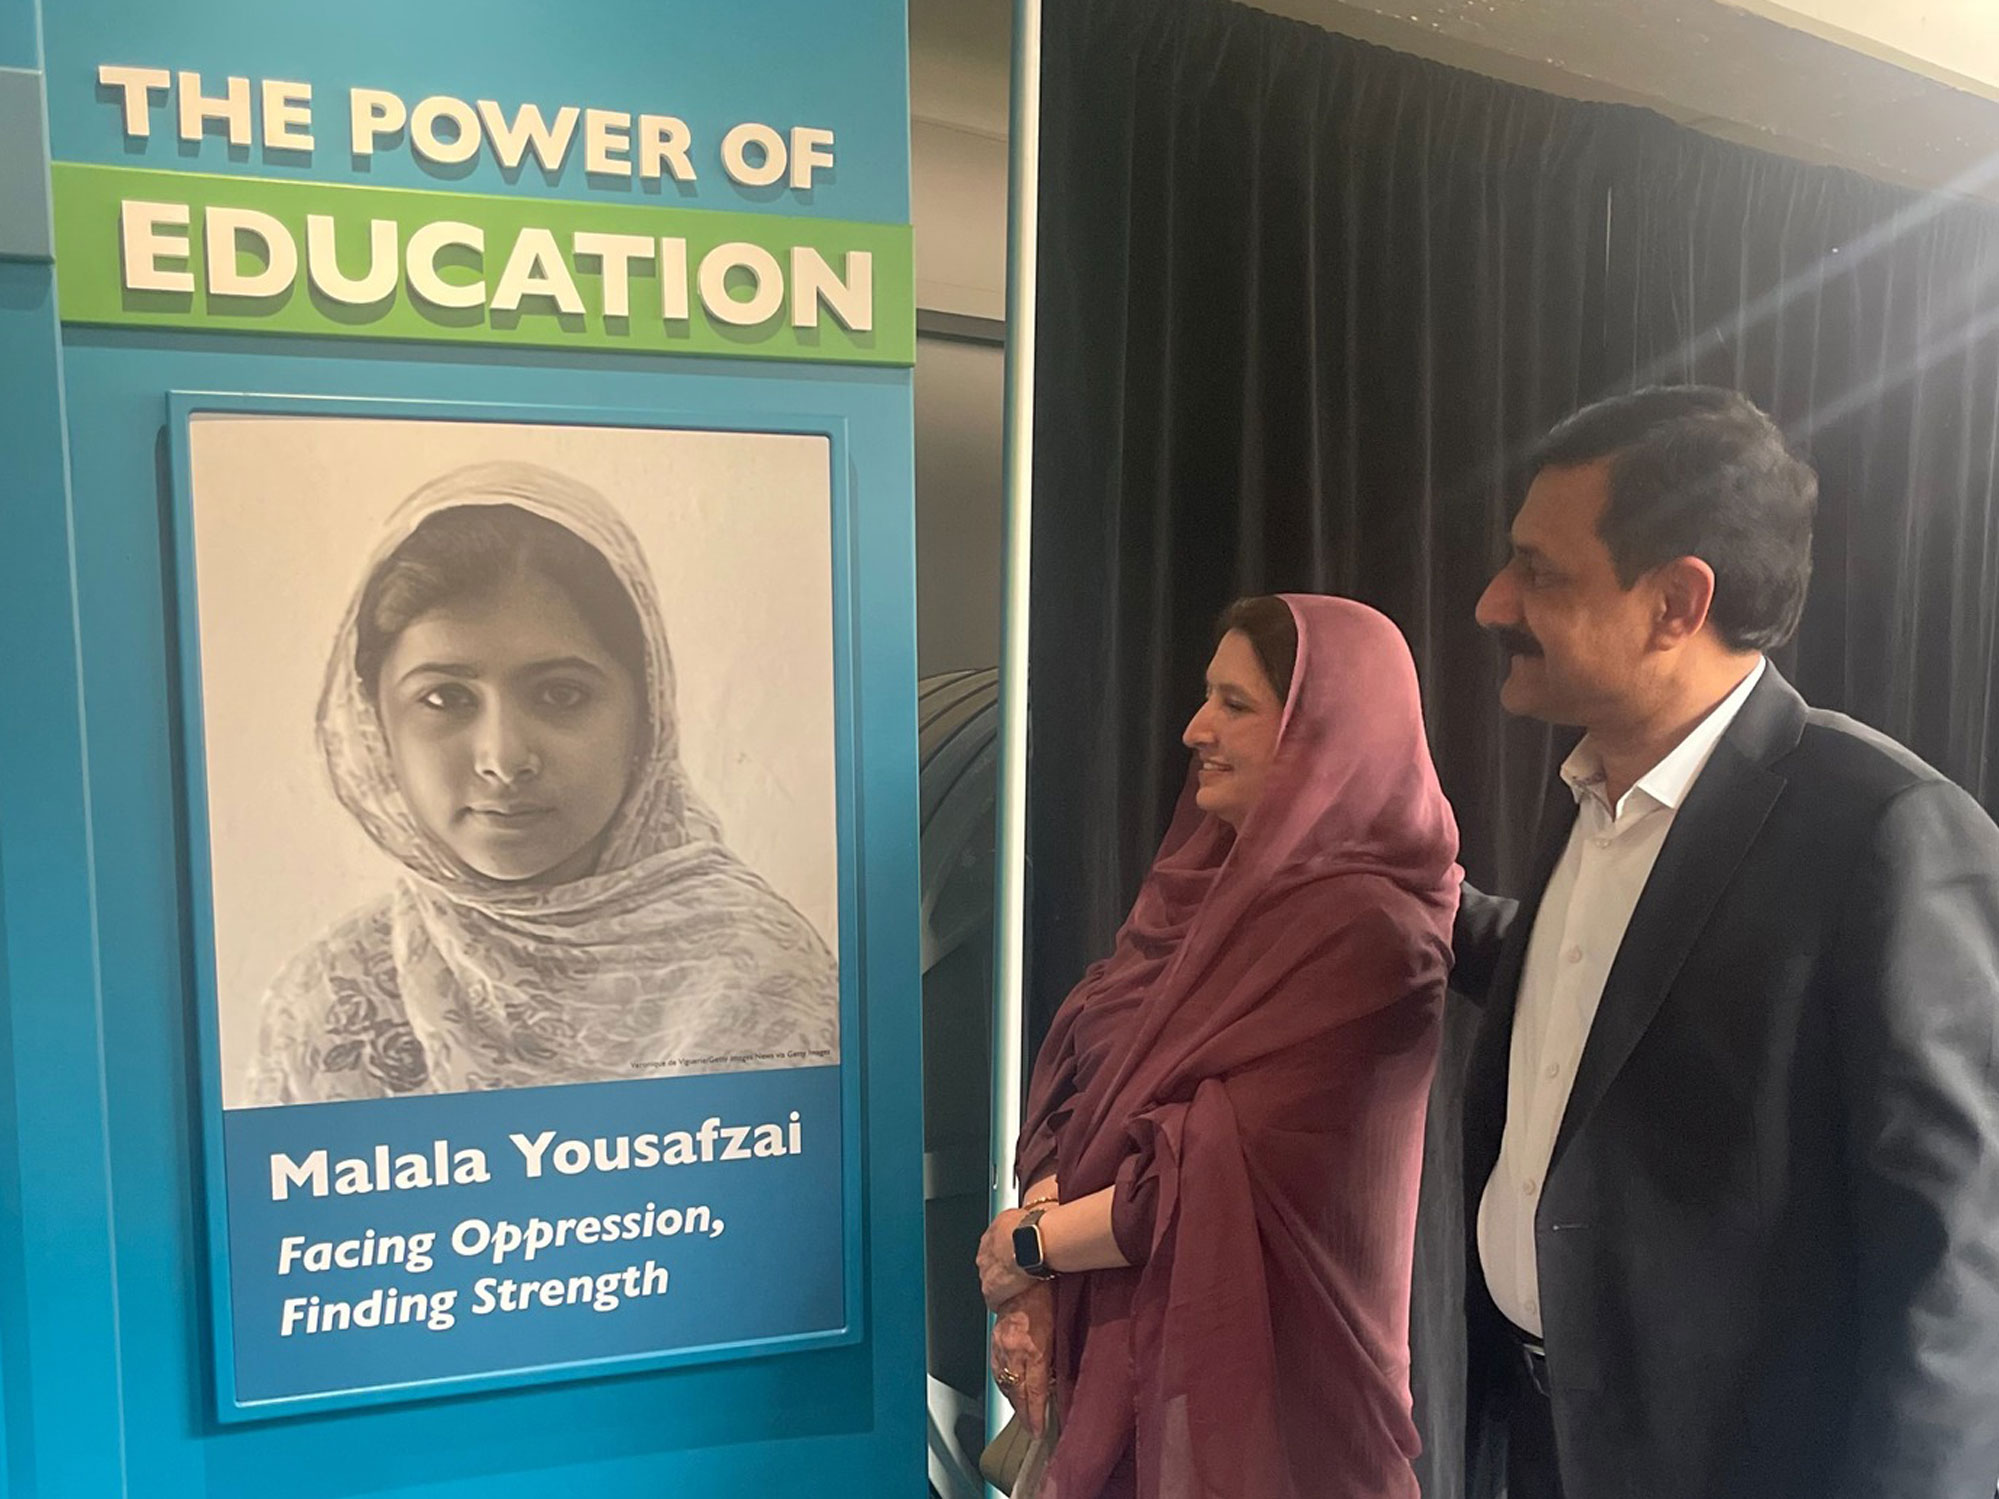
1027 1246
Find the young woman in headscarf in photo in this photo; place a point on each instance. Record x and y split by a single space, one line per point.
1225 1125
498 715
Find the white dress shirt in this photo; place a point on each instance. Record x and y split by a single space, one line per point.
1587 906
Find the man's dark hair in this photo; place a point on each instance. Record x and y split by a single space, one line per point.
1697 471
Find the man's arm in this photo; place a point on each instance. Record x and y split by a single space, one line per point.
1476 939
1918 970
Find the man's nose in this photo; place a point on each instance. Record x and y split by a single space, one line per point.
1500 603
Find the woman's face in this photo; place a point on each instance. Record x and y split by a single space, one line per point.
1234 735
513 731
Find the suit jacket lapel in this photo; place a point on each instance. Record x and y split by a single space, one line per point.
1711 834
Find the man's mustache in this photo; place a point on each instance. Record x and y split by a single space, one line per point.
1514 642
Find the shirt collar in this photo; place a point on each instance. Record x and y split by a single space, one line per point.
1668 782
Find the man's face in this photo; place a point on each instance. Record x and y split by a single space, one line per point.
1577 640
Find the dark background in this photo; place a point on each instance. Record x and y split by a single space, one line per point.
1304 303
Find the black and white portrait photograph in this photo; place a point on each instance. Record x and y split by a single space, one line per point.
518 752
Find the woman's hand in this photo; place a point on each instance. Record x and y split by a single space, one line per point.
1000 1277
1023 1352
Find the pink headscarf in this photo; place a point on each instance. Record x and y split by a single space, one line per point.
1250 1069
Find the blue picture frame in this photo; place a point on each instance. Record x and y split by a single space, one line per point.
183 407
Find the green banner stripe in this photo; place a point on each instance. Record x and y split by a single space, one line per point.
132 247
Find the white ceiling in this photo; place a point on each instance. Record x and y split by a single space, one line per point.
1743 76
1954 41
1906 90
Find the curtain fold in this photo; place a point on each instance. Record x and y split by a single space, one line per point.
1305 303
1866 320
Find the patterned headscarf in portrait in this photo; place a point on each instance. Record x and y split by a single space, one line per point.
671 957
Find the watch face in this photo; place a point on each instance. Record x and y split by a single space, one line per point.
1027 1248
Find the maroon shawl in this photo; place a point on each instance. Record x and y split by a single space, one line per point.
1250 1068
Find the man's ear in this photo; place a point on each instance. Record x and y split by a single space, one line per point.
1686 595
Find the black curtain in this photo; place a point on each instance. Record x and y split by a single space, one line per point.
1305 302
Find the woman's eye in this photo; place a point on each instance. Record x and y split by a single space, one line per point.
565 697
447 698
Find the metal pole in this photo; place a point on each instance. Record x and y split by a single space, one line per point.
1024 176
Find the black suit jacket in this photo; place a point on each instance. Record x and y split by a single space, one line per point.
1768 1240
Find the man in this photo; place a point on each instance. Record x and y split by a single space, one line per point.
1732 1117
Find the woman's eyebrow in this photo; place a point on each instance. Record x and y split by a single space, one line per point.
560 663
441 669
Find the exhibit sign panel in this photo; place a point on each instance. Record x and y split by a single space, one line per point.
483 510
518 823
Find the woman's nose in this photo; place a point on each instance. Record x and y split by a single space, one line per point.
1198 731
503 753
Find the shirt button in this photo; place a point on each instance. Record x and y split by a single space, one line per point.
1533 1307
1574 955
1529 1187
1602 842
1553 1070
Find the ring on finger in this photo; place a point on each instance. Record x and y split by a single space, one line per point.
1006 1379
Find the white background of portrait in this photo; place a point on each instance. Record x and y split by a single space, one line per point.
738 530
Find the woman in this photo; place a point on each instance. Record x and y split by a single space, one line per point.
1224 1129
498 716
